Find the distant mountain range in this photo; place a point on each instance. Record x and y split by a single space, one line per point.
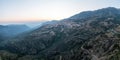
91 35
7 31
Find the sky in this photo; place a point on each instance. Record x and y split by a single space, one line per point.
18 11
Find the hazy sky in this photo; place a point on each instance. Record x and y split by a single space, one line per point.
39 10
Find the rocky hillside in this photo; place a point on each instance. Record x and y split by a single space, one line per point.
92 35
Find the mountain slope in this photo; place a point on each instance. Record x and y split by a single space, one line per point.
86 36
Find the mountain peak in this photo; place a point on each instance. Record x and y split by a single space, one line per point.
100 12
110 8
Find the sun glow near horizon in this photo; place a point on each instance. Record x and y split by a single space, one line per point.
34 10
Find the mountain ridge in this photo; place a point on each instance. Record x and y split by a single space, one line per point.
87 14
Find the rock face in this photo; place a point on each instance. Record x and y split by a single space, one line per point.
92 35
